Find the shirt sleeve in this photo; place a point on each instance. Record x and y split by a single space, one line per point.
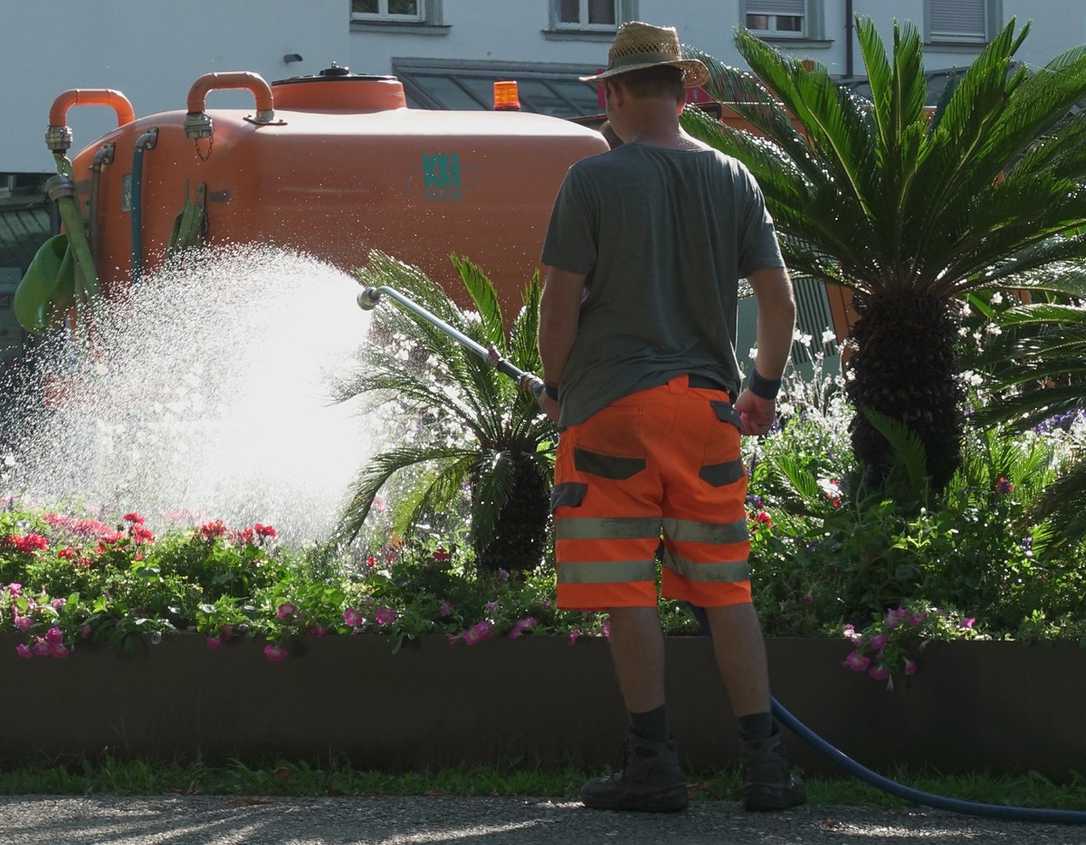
571 236
758 247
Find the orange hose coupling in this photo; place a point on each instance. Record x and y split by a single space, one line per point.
58 137
198 123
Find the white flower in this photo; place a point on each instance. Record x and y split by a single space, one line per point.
993 329
800 337
997 298
972 379
963 331
829 487
9 460
753 353
829 335
966 310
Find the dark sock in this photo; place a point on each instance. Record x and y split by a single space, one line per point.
756 726
652 725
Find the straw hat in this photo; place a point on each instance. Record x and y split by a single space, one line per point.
641 45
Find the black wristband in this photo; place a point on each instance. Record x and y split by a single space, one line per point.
767 388
551 391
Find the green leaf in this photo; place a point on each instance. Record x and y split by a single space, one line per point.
907 449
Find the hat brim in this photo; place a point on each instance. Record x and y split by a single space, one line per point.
695 73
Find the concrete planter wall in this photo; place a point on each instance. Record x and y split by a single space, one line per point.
998 706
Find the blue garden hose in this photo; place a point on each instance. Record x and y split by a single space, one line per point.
907 793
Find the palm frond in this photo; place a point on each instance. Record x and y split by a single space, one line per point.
376 474
1064 505
482 293
433 493
907 449
493 484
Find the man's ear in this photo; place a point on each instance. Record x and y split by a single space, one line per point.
614 92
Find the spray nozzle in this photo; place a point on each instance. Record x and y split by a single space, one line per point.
368 299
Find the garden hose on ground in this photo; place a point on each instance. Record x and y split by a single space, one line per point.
370 297
907 793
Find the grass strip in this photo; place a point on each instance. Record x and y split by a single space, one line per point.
300 779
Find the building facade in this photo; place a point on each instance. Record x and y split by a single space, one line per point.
447 52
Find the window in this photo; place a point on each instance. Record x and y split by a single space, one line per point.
778 18
588 14
462 84
960 21
407 11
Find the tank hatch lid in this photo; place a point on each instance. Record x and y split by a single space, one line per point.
363 94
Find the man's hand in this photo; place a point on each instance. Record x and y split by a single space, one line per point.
534 385
755 413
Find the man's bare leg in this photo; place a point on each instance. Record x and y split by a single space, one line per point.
740 656
637 648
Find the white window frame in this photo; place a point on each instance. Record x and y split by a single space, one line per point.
582 23
765 7
935 36
383 14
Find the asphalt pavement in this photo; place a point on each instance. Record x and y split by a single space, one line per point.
209 820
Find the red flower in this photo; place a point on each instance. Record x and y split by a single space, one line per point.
142 535
442 555
134 518
243 537
210 530
27 543
265 531
371 561
67 553
763 518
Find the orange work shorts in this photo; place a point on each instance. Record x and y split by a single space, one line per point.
660 467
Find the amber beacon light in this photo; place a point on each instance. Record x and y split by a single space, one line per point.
506 96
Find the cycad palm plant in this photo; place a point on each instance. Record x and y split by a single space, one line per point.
498 448
911 209
1036 371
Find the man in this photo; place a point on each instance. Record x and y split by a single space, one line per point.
643 255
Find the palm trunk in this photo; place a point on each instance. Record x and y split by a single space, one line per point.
520 535
905 366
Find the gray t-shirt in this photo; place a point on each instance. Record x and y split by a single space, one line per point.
664 235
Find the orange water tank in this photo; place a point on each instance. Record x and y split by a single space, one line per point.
334 165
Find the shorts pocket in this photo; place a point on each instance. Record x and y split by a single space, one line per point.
608 444
721 463
569 494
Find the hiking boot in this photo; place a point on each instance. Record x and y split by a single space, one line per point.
769 781
650 781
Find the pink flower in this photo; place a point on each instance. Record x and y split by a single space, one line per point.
878 673
522 625
265 531
491 607
857 662
1003 485
896 617
58 650
214 643
441 555
24 623
384 616
142 535
878 643
808 599
478 632
379 504
54 635
910 666
285 611
605 628
90 528
110 537
40 647
86 631
917 618
353 618
318 631
134 518
15 589
24 652
574 633
57 604
851 635
445 608
275 653
969 622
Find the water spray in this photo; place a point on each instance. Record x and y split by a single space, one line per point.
369 298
